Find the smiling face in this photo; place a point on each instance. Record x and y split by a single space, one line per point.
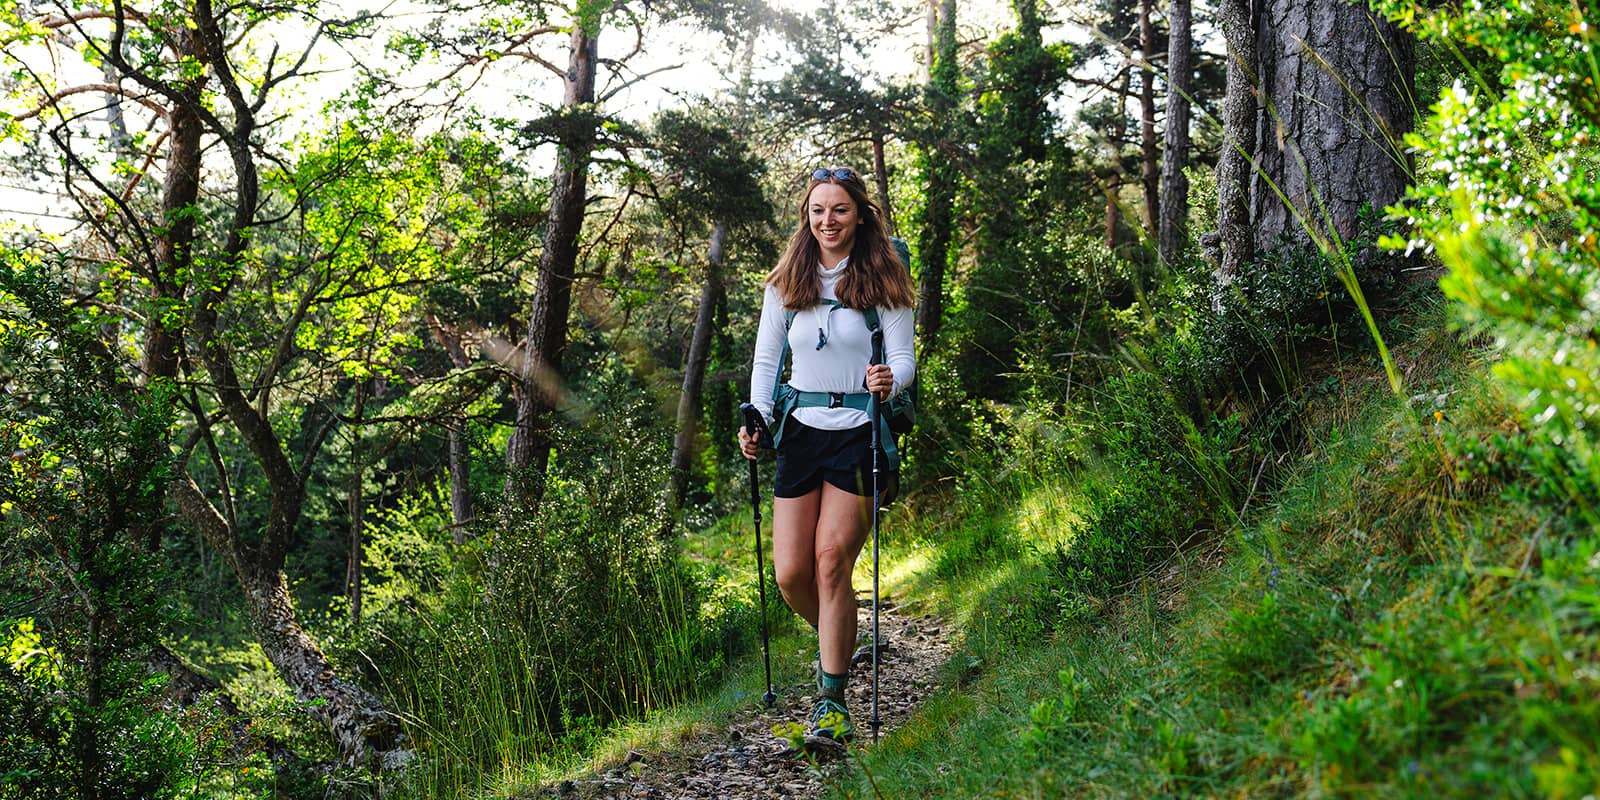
833 217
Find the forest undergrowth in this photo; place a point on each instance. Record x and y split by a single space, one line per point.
1395 612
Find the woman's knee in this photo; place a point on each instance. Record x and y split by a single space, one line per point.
835 563
795 578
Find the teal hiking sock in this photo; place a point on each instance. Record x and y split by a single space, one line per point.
831 685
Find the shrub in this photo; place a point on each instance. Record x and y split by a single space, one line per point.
1507 196
1161 466
563 618
82 591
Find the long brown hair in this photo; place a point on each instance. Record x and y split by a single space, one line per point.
875 276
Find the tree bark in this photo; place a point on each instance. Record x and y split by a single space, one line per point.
356 509
694 377
880 171
938 220
1239 120
1337 84
1174 205
174 245
460 447
362 728
1113 214
1149 151
538 383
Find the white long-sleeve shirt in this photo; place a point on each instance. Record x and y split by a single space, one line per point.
840 365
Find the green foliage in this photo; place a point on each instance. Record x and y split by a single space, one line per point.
1508 198
1055 717
1166 477
558 621
82 592
710 174
1021 283
1381 629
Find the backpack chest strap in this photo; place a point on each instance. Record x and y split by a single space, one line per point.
860 401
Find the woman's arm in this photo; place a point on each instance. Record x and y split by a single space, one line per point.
899 346
764 364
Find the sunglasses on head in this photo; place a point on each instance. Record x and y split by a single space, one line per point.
823 173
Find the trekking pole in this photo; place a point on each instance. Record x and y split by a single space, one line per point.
757 427
877 484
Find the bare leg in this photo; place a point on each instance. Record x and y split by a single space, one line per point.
841 529
794 547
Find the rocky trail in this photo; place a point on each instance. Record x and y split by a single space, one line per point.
745 761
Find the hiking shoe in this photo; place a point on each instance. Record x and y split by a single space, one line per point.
831 720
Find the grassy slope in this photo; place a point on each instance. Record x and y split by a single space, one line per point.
1395 618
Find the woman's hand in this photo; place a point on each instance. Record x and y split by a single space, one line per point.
747 444
880 380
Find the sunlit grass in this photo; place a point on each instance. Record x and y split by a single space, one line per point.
1274 673
1048 515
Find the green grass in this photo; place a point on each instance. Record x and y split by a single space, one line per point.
1391 621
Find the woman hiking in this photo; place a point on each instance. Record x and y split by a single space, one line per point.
839 262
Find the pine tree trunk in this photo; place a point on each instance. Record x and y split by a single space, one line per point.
1239 121
880 170
938 221
1175 154
1336 81
538 383
694 377
1150 153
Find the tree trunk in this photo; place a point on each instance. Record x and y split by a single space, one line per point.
460 454
362 728
1113 213
1175 154
880 170
460 481
360 724
356 509
1337 84
694 378
1239 120
938 219
203 286
174 245
1150 153
538 386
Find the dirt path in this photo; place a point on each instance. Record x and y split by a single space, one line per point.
746 762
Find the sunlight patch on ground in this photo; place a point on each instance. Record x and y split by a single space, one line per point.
900 564
1049 516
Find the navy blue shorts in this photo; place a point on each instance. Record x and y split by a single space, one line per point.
809 456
